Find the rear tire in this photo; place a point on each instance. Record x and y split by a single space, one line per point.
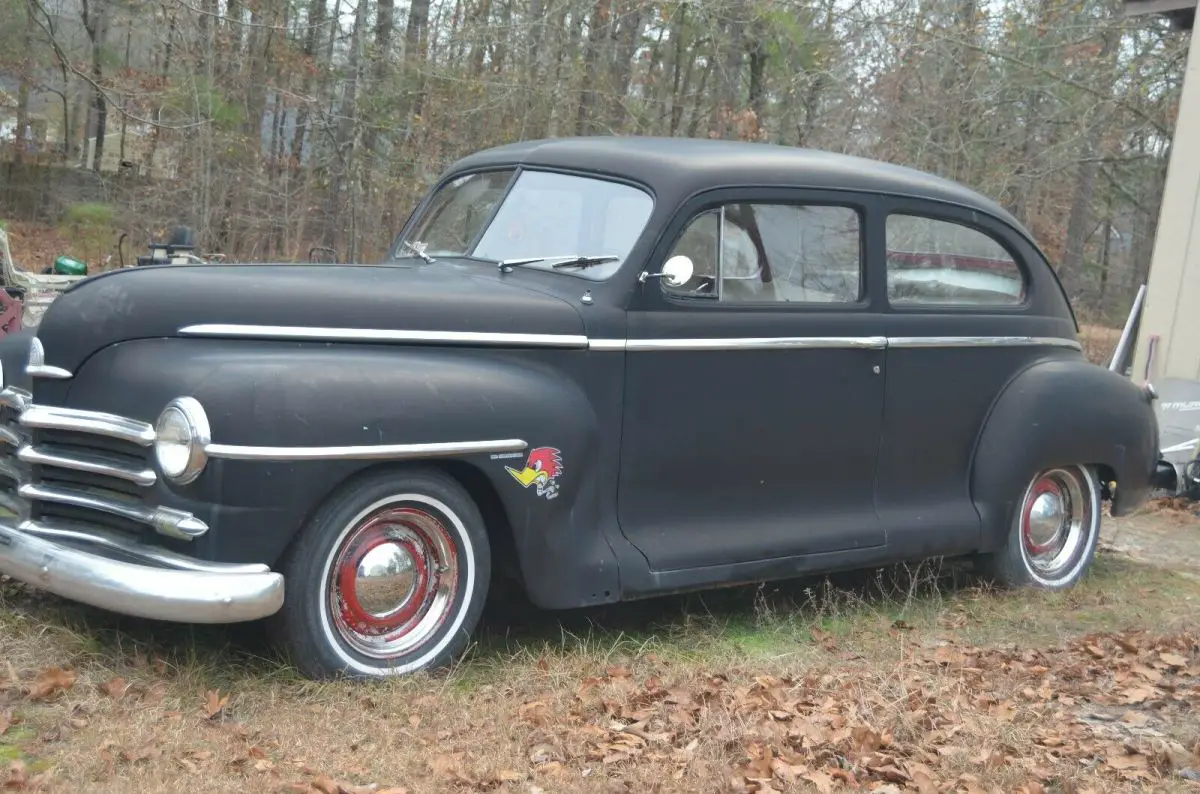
1052 538
388 578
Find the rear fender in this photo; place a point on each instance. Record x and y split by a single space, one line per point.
1057 412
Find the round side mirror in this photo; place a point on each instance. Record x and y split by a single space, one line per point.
677 270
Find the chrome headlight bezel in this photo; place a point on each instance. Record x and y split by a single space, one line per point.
181 438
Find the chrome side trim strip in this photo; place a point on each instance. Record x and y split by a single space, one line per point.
983 341
385 335
93 422
141 590
835 342
580 341
761 343
46 371
606 344
366 452
142 552
93 463
163 520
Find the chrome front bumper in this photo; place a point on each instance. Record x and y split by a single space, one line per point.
155 583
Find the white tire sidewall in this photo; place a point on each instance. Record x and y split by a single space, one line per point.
445 635
1072 574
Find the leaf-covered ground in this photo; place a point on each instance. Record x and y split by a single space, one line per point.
913 680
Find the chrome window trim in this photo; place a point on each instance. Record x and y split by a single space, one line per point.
365 452
385 335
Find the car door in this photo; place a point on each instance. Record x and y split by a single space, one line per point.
963 316
753 395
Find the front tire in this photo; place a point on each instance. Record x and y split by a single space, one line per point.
388 578
1052 539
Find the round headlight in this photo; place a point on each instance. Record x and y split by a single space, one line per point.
180 437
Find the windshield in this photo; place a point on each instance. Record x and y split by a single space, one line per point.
543 215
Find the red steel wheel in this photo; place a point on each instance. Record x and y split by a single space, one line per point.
388 577
393 581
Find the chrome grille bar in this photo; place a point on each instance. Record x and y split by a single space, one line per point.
164 520
90 462
93 422
15 398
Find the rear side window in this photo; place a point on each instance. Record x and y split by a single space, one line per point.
938 262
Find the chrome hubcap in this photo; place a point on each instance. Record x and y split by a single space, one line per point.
393 581
1056 521
387 579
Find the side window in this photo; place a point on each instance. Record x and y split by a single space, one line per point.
775 252
699 243
939 262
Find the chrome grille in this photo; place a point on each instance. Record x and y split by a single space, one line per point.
65 466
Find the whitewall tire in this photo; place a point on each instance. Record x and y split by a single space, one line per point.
1053 535
388 578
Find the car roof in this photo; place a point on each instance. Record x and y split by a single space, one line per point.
678 167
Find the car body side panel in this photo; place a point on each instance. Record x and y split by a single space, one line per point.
313 394
1061 411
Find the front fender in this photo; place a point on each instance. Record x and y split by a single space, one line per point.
1056 412
284 394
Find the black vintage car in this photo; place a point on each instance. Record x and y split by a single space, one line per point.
607 367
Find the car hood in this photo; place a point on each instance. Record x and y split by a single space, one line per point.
158 301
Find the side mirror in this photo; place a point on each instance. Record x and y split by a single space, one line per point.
676 271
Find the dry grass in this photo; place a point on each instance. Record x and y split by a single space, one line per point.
1099 342
913 680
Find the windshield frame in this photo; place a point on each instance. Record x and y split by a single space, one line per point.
397 251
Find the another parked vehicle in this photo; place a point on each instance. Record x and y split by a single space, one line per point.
28 294
608 368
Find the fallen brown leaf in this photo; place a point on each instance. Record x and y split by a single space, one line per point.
214 703
115 687
50 682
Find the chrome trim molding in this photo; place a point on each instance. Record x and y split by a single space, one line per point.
107 540
45 371
189 596
384 335
983 341
163 520
761 343
366 452
580 341
835 342
93 422
9 437
606 344
16 399
91 462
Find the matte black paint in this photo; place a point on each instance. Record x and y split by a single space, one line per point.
681 469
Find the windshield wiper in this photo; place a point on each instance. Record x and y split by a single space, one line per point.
570 260
418 249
